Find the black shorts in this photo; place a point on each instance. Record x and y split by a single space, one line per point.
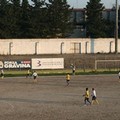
86 98
73 71
93 98
35 77
2 74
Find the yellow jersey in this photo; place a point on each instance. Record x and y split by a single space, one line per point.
87 94
67 77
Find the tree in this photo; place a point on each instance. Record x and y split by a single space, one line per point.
14 18
3 18
95 23
109 28
25 22
16 3
58 18
19 19
39 18
38 3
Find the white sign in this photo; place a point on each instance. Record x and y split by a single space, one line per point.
17 64
47 63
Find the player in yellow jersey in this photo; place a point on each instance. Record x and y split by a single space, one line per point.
67 78
28 73
87 95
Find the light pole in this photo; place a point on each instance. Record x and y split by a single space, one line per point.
116 29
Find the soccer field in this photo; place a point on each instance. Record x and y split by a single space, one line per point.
51 99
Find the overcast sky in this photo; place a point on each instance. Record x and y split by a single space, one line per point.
82 3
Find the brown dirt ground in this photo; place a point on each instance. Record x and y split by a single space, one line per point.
51 99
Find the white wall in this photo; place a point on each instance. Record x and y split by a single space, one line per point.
56 46
103 45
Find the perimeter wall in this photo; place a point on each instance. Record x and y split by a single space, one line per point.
57 46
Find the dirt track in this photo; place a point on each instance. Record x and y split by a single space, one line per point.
51 99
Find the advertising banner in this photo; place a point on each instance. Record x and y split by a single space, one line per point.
17 64
47 63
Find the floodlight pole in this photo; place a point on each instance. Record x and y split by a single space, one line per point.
116 29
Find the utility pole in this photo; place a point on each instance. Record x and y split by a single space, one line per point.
116 30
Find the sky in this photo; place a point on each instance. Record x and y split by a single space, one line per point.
82 3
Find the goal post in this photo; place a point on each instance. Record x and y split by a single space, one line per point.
107 64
